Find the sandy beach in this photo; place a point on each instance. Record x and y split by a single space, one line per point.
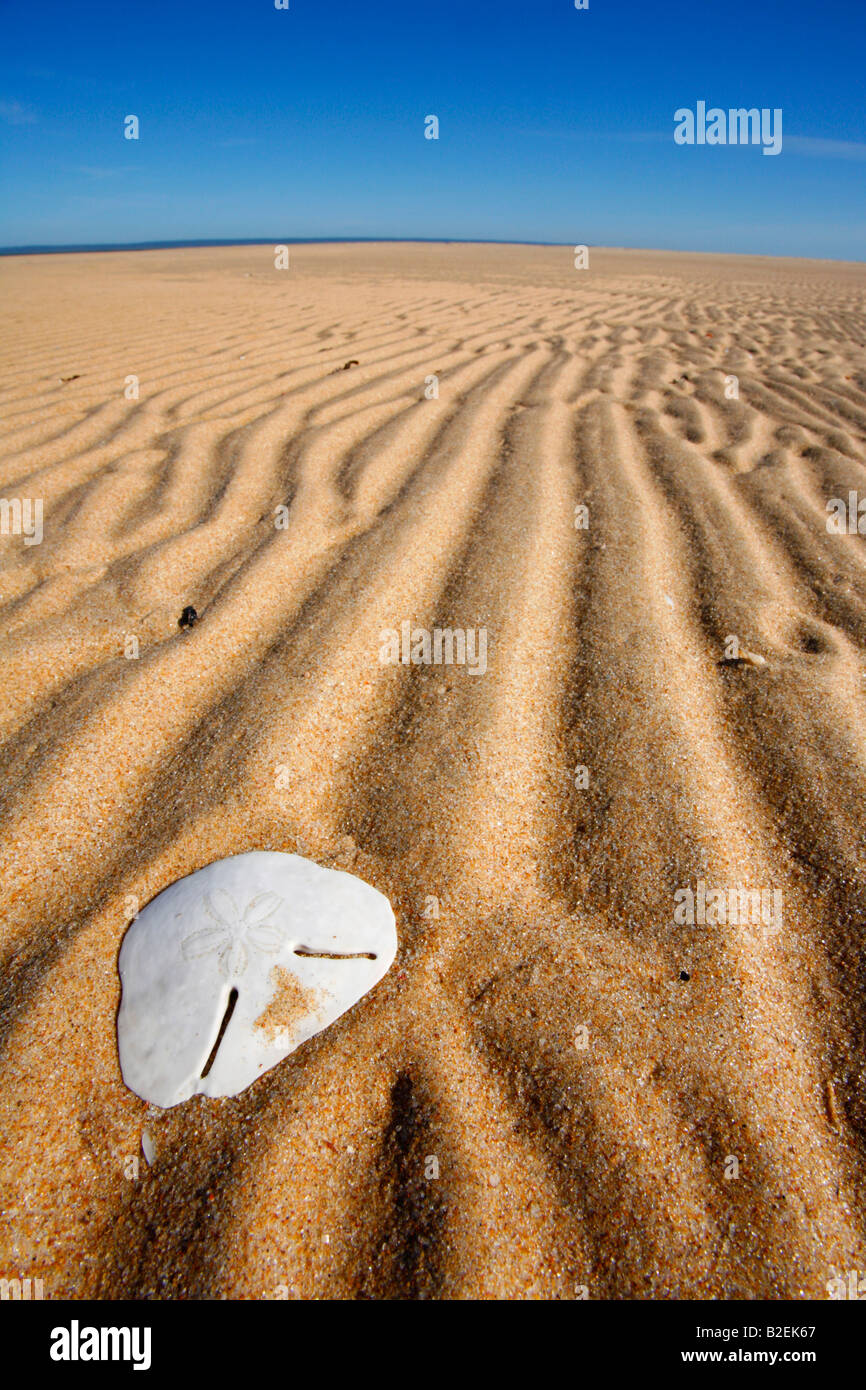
576 1080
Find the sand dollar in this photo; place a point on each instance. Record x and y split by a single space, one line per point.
229 970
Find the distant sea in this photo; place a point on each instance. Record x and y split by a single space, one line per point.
258 241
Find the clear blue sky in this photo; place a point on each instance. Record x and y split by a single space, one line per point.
555 124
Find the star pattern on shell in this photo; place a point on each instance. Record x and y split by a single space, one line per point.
235 933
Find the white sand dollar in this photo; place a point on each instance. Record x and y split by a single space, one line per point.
229 970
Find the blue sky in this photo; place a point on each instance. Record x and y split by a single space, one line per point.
555 124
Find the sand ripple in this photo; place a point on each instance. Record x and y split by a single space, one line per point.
546 1093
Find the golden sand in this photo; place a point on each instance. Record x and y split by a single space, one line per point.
557 1089
291 1004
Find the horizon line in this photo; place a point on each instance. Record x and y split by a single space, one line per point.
84 248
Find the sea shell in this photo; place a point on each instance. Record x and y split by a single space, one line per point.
229 970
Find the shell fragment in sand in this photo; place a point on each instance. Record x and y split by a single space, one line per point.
229 970
751 658
744 658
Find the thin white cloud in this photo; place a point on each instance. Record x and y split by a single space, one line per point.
16 114
812 146
824 149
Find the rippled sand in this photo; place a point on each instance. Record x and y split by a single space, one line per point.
578 1068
